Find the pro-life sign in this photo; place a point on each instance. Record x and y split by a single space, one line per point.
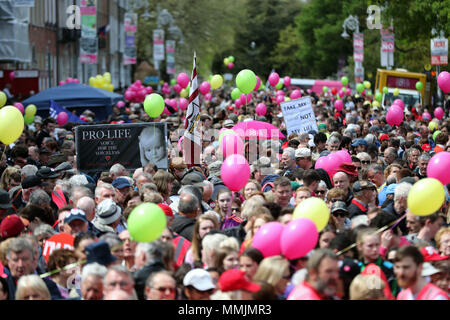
299 115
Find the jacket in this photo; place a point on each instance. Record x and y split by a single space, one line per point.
184 226
429 292
267 182
218 184
304 291
141 275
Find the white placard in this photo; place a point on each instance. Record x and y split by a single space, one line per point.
299 115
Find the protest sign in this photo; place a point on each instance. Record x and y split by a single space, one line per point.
132 145
299 115
58 241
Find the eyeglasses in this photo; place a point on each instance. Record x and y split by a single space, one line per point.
365 161
321 191
163 289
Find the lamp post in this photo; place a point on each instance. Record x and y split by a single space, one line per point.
352 24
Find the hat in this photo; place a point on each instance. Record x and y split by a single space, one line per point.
375 108
5 200
200 279
303 153
431 254
234 279
214 168
192 178
65 166
37 119
428 269
33 181
363 184
348 168
100 253
167 210
56 159
108 212
233 117
322 127
44 150
359 142
120 183
339 206
384 137
75 214
47 173
228 123
11 226
391 188
374 129
410 180
426 147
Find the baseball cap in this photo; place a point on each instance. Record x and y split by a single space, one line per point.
234 279
322 127
200 279
363 184
192 178
47 173
167 210
120 183
228 123
338 206
384 136
426 147
431 254
303 153
100 253
75 214
11 226
359 142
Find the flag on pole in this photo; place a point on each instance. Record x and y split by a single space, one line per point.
55 109
192 144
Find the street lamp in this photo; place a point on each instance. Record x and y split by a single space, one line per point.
352 24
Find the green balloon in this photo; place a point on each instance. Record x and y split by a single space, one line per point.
419 86
236 93
224 133
146 222
325 89
279 85
246 81
29 119
435 134
378 96
231 58
385 90
154 105
173 82
344 81
360 87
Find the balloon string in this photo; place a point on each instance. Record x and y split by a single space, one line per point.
4 151
393 224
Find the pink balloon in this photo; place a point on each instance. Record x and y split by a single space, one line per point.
180 141
69 80
235 172
12 75
342 93
62 118
20 106
438 167
439 113
231 65
399 102
238 103
249 97
120 104
280 99
261 109
394 116
258 83
183 103
183 80
296 94
205 87
287 81
177 88
208 96
268 239
129 95
173 103
298 238
243 99
149 90
76 81
344 155
280 93
325 163
274 78
426 116
309 91
139 83
61 83
443 81
338 104
349 92
231 144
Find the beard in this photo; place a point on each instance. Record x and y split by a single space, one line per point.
326 288
406 282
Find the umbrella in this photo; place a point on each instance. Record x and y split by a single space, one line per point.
257 130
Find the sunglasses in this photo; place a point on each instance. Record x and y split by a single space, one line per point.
341 214
235 209
365 162
321 191
334 200
163 289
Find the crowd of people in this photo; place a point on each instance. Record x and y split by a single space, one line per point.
205 251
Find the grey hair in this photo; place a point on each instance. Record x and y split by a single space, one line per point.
78 180
19 245
28 170
111 239
152 250
423 156
362 155
402 190
153 275
376 167
333 139
119 269
105 186
44 230
322 184
188 204
116 169
351 132
94 269
148 186
38 197
84 190
316 258
291 152
65 186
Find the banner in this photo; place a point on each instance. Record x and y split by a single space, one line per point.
132 145
170 56
439 51
158 45
89 40
299 115
358 47
130 53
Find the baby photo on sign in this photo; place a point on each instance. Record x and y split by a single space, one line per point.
153 146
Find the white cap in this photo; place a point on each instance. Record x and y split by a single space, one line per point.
200 279
302 153
428 269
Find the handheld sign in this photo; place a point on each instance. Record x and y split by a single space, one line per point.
299 115
58 241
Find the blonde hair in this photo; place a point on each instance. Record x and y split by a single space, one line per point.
6 175
33 282
250 207
3 249
439 236
271 270
366 287
229 242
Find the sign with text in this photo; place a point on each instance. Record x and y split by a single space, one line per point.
58 241
130 53
439 51
299 115
158 44
89 40
132 145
